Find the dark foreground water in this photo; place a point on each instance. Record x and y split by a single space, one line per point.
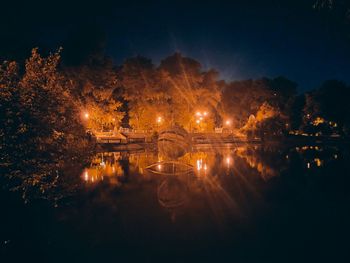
230 204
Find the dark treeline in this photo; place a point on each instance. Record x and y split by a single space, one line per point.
48 104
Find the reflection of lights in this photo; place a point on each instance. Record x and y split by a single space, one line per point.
86 115
199 164
318 162
287 156
198 113
159 167
86 176
228 161
308 165
205 113
200 118
228 122
113 119
198 121
102 163
113 169
335 156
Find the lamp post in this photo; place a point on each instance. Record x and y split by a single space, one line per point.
228 125
86 117
159 121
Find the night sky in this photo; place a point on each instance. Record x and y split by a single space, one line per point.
241 39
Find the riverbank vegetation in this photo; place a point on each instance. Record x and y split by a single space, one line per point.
40 126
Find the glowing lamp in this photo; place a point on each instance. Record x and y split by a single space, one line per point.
159 119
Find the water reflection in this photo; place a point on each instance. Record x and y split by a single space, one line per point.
267 161
232 197
225 179
104 166
315 156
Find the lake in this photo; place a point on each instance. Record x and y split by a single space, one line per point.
235 203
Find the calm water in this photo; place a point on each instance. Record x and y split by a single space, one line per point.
231 204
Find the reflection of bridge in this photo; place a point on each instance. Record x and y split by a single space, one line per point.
217 138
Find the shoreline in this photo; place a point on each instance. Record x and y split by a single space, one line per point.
289 142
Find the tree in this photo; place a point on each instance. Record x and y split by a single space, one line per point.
93 86
173 91
329 102
190 89
42 127
244 98
142 90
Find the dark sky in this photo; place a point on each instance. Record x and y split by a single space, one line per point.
241 39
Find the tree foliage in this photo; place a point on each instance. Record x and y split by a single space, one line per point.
93 86
41 129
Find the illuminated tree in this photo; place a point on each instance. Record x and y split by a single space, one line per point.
190 89
42 126
93 86
329 102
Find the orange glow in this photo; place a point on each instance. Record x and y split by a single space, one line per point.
86 176
318 121
199 164
86 115
228 161
159 119
318 162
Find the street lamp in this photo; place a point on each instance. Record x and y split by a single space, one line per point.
228 125
159 121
